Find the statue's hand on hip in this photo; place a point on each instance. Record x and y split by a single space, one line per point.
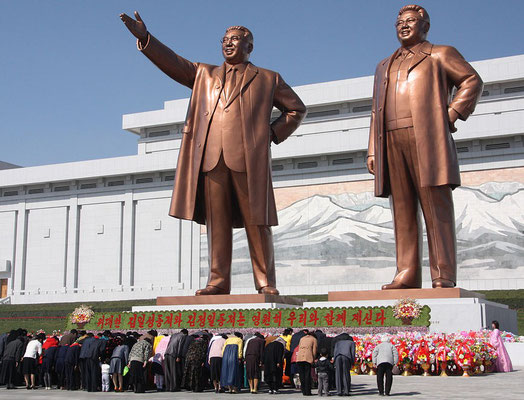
452 118
370 162
136 27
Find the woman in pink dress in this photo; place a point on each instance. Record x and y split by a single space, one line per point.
503 362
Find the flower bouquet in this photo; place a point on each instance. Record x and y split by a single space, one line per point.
81 315
423 357
359 355
405 357
443 355
406 310
369 346
465 357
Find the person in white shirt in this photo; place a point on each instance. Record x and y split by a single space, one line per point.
29 362
106 379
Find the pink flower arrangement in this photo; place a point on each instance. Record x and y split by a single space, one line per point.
406 309
466 349
82 314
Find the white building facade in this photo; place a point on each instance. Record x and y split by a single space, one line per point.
100 230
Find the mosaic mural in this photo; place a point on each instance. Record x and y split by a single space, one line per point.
346 238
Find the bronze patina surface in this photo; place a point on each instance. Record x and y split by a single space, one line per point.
223 175
411 151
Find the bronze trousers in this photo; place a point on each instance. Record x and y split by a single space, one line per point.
437 206
221 184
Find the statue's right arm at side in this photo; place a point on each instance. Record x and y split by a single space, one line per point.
370 160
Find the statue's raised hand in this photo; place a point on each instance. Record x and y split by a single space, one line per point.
136 27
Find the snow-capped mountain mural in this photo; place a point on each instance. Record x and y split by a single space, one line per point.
351 237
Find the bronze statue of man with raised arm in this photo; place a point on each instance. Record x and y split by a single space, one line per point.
223 175
411 151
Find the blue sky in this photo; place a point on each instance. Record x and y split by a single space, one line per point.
70 69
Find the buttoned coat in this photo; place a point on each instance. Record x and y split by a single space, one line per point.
433 72
259 92
307 349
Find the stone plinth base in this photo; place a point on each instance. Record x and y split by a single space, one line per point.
222 302
447 314
228 299
516 353
395 294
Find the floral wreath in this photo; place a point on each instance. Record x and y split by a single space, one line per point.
406 309
82 314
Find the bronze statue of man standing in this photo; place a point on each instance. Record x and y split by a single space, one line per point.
223 175
411 151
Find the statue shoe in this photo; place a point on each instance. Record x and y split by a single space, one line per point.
268 290
443 283
397 285
211 290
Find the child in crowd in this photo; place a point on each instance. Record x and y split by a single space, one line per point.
106 380
323 366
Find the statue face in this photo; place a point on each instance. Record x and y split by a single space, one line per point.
411 28
235 47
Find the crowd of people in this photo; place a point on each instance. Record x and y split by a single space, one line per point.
117 361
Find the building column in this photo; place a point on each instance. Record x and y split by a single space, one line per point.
127 243
189 264
195 256
18 274
73 243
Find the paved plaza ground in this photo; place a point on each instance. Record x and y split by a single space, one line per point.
490 386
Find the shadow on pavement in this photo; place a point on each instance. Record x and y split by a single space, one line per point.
405 394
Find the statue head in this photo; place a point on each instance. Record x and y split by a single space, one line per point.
237 44
412 25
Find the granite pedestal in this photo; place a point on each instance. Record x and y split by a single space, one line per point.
222 302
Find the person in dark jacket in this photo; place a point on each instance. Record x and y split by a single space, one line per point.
323 366
60 365
71 367
69 338
293 348
325 342
253 358
173 361
12 356
344 355
273 364
90 353
3 339
49 349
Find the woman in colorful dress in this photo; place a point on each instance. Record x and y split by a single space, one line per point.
231 376
502 362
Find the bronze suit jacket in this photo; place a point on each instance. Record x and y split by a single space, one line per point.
432 74
260 91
